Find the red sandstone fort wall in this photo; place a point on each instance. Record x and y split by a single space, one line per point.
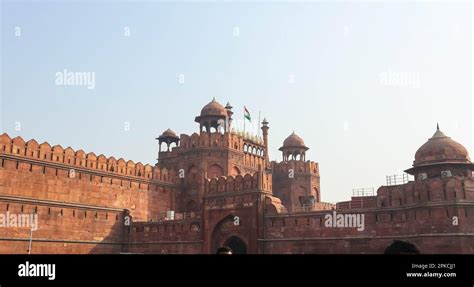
71 177
305 182
62 228
397 212
238 183
229 148
340 245
83 189
167 237
83 213
421 212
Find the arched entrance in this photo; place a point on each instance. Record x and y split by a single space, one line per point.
236 244
228 233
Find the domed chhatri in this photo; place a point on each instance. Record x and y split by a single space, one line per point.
169 133
441 156
293 140
168 137
294 148
214 108
215 116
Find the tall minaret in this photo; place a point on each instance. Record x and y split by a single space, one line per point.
265 128
228 107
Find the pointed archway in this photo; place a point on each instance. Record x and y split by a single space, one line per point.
236 244
228 232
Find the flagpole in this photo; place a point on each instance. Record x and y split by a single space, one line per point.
258 125
244 121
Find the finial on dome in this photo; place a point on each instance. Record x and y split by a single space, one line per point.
438 133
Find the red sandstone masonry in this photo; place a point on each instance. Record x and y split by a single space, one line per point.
144 190
165 237
421 212
62 228
41 173
83 214
304 183
56 154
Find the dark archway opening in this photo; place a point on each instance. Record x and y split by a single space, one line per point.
236 244
191 206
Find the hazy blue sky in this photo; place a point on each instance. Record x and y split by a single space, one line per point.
328 71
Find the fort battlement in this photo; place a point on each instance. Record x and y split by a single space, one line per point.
251 151
42 172
44 153
434 190
376 218
418 222
419 211
217 140
282 168
228 196
238 183
223 140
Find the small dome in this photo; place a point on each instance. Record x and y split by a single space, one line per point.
214 108
169 133
441 148
293 141
168 136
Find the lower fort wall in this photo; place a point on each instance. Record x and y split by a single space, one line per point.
433 229
60 228
166 237
144 199
82 213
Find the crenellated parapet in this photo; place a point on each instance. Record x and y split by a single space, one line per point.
434 190
231 184
46 153
248 153
238 183
220 140
205 139
282 168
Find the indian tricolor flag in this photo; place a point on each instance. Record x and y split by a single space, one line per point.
247 114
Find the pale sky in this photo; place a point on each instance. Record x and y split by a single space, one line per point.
364 84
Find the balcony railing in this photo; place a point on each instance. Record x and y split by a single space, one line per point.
358 192
397 179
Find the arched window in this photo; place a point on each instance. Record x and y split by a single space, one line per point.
192 174
235 171
215 170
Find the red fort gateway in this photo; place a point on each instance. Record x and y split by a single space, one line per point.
218 188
